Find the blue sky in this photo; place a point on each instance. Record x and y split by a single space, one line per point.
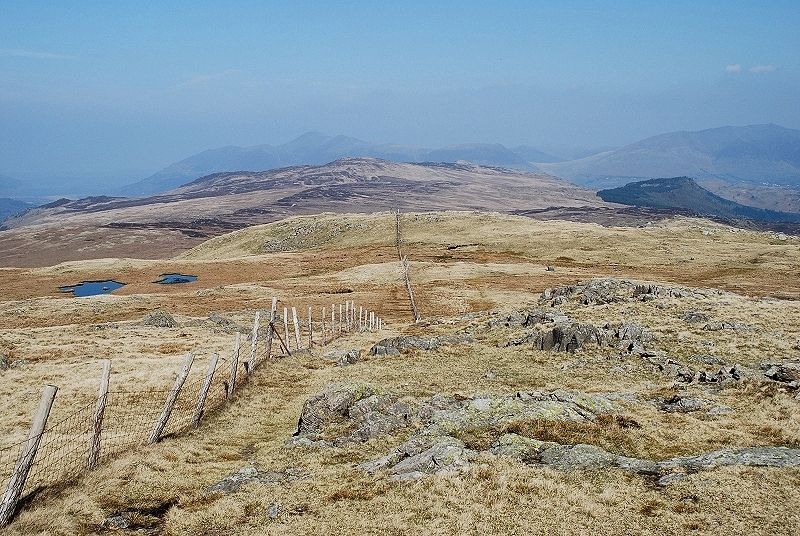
120 89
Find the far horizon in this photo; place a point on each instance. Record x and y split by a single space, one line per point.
115 94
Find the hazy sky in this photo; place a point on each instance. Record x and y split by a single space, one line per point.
123 88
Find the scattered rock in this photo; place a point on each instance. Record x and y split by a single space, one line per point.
160 319
343 357
118 522
5 363
693 317
274 510
249 474
226 324
782 372
734 326
707 359
671 478
550 269
395 345
680 404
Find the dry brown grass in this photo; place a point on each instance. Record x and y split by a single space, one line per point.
62 338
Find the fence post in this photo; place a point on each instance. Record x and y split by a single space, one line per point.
360 324
97 427
201 398
254 345
324 339
372 320
310 329
272 314
17 481
296 327
172 397
341 320
234 364
333 322
286 326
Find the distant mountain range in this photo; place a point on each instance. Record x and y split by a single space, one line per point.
685 194
755 153
314 148
758 164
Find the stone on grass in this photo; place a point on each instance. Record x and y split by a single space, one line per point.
160 319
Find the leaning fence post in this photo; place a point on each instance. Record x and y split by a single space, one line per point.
296 327
271 330
234 364
254 345
172 397
97 428
201 398
17 481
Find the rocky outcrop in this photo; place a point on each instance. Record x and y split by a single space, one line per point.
364 411
560 334
601 291
442 423
396 345
751 457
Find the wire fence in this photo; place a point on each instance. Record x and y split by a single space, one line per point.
63 450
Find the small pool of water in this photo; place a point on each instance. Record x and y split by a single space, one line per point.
92 288
172 279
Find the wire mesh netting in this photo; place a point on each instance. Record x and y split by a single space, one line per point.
65 448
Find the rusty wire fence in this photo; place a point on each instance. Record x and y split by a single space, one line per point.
65 449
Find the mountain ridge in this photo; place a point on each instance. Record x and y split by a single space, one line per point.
314 148
684 193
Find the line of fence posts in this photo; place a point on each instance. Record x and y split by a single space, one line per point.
404 264
22 468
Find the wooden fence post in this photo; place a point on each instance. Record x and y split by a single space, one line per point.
341 320
286 326
333 322
254 346
273 312
201 398
100 409
172 397
296 327
17 481
324 339
310 329
234 365
360 323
